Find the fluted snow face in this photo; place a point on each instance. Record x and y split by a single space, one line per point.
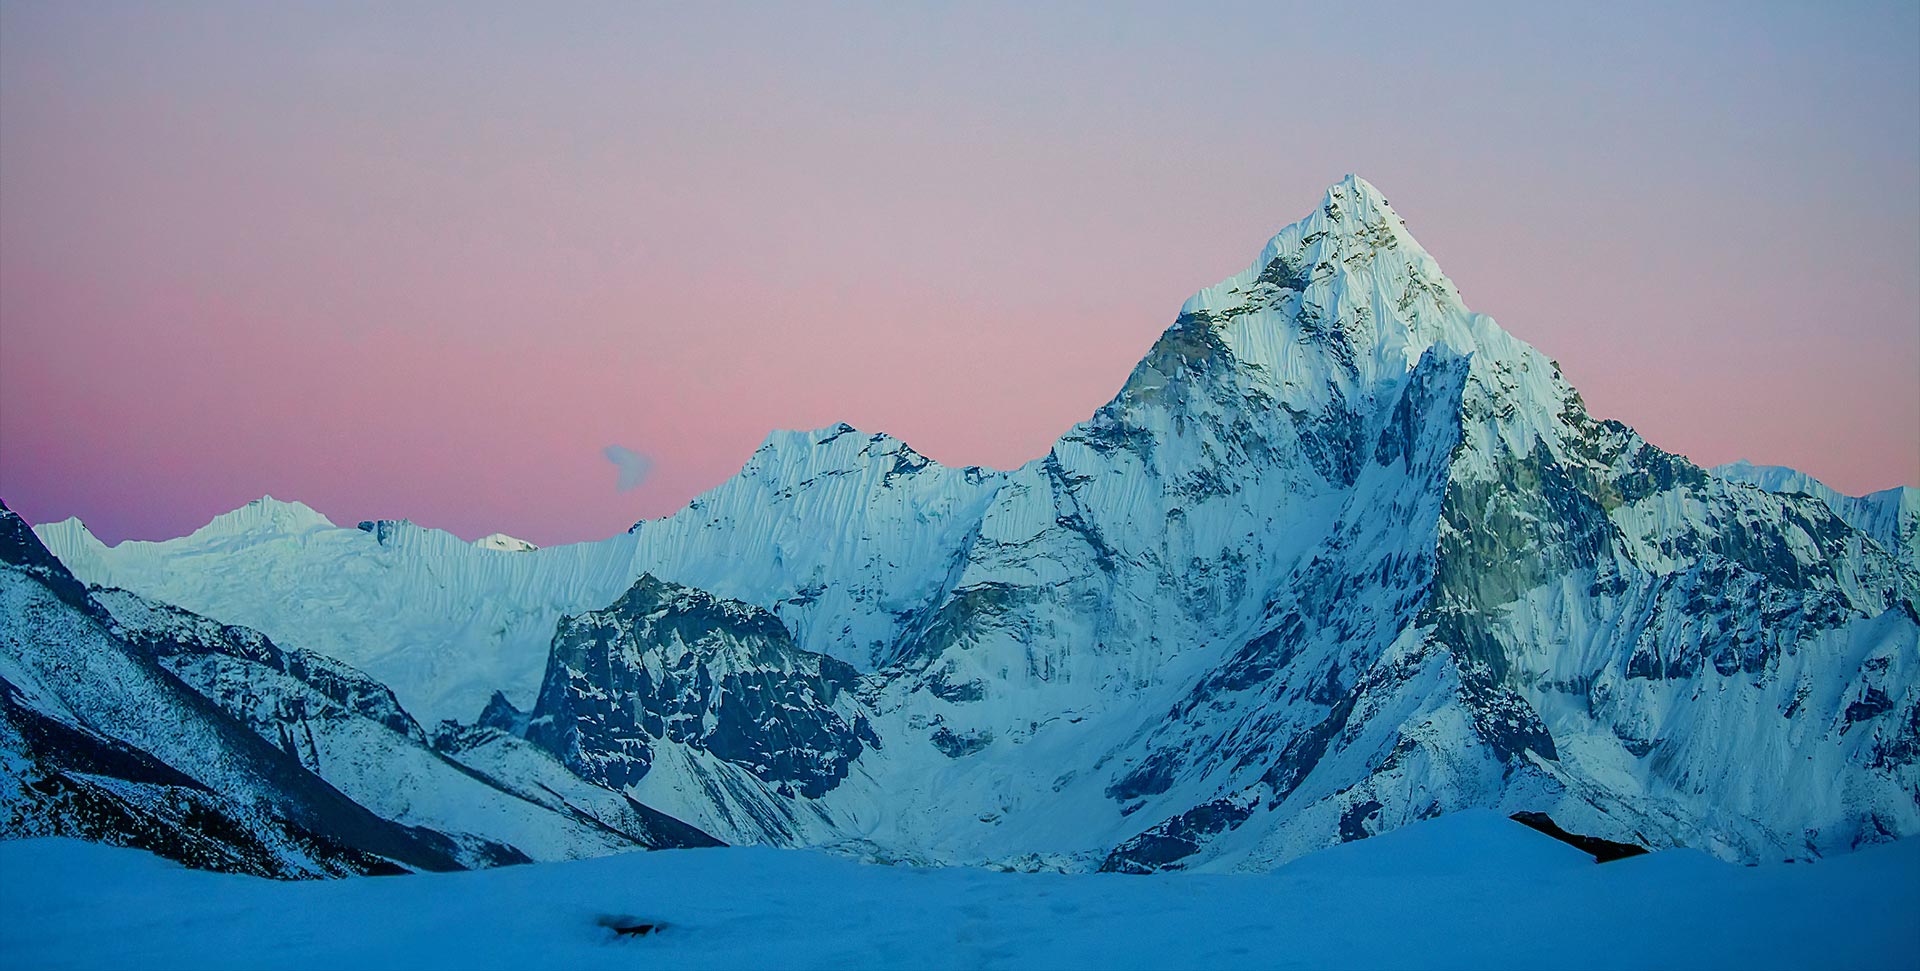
1891 516
442 622
1340 554
847 537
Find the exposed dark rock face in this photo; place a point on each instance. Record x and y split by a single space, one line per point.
1354 822
955 745
670 665
1164 846
631 926
502 715
1602 850
385 530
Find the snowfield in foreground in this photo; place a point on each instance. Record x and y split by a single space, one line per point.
1467 890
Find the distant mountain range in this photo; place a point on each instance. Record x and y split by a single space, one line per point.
1340 555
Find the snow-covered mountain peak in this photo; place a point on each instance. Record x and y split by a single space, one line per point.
1352 208
1297 353
652 598
840 446
1352 231
798 460
1773 478
71 532
264 516
1333 305
504 543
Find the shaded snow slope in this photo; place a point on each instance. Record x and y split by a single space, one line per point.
1467 890
1890 516
349 730
64 779
100 740
140 723
441 621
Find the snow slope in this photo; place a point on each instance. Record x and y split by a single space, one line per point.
99 740
1340 555
349 730
443 622
143 724
1890 516
1468 890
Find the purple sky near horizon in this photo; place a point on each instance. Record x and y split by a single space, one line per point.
429 261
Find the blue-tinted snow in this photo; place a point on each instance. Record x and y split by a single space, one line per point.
1467 890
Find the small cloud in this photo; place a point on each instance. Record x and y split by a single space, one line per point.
633 466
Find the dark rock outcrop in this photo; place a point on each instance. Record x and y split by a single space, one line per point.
671 665
1602 850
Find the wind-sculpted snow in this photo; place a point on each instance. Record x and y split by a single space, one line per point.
1340 555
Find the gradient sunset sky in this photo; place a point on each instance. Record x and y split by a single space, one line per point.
431 261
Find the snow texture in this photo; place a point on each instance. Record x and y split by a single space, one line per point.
1891 516
1468 890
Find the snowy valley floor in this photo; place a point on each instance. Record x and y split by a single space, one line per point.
1467 890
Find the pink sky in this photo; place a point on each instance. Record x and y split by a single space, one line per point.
428 262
